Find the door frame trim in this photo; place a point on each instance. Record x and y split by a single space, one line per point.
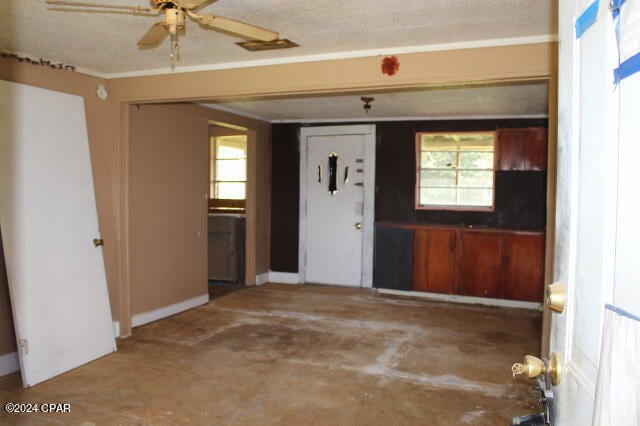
369 133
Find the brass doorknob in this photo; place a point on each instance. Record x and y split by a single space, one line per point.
98 242
556 297
534 367
358 225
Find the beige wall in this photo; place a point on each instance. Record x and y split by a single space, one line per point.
108 121
169 169
258 221
7 335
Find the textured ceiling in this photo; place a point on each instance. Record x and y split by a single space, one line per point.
504 100
106 42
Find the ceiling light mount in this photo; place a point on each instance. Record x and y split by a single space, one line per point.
367 103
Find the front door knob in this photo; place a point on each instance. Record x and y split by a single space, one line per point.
534 367
358 225
98 242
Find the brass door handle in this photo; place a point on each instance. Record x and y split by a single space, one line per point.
358 225
534 367
97 242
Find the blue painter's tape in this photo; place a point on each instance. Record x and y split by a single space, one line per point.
615 7
621 312
587 19
627 68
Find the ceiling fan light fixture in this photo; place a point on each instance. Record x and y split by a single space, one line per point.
259 45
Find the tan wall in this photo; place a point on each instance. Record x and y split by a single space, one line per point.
7 335
103 142
258 247
169 169
108 121
501 63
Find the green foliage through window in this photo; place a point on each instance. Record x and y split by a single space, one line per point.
455 170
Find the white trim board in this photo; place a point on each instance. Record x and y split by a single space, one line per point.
166 311
262 278
464 299
9 363
284 277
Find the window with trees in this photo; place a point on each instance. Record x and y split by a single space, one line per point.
455 171
228 183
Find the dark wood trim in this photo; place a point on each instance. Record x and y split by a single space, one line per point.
446 227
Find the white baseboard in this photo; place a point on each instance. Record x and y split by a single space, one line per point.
116 329
464 299
9 363
167 311
262 278
284 277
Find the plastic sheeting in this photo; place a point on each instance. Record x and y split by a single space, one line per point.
618 388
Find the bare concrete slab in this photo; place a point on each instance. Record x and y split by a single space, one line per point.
303 355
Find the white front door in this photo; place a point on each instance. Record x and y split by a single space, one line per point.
48 219
337 204
597 189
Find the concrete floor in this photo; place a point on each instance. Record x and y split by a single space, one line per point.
303 355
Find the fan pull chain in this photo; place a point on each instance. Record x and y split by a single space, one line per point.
174 54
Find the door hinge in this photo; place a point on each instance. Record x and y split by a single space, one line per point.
24 346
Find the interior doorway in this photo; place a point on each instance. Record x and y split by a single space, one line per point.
226 233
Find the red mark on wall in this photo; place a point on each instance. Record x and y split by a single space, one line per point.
390 65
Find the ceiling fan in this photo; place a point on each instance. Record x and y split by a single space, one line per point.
174 21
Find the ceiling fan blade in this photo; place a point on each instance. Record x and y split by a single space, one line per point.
236 28
100 6
156 34
193 4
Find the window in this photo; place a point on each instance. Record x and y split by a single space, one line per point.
455 171
228 187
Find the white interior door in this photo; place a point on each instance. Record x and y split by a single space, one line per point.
594 199
48 218
337 216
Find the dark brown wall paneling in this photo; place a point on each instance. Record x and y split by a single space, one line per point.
520 196
285 197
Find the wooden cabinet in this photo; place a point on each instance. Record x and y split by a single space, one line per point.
495 263
522 149
479 266
392 257
523 268
434 258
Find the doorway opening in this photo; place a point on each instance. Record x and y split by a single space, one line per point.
226 220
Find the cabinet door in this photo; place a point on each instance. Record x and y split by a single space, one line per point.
522 149
434 260
524 267
479 264
392 258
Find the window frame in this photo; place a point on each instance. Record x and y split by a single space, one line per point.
224 205
451 207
